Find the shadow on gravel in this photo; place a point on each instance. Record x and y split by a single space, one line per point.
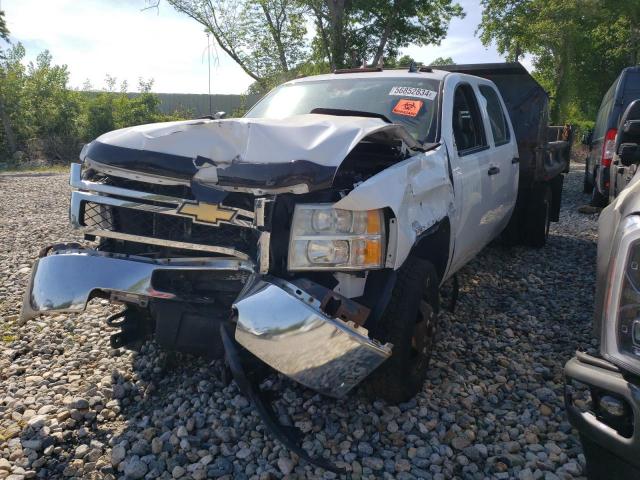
491 405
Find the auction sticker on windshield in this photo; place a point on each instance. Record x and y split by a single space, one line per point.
413 92
407 107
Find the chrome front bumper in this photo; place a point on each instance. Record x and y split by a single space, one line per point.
66 279
606 379
286 328
278 322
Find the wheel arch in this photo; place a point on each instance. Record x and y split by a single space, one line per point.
433 245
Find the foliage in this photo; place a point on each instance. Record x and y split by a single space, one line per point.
442 61
264 37
4 31
380 28
43 118
267 38
569 40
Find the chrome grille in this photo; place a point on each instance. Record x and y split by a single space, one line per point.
168 227
151 217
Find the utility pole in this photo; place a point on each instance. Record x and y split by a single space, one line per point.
209 63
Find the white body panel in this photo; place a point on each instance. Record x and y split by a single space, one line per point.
420 193
483 202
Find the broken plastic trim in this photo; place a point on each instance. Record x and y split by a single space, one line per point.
287 435
264 176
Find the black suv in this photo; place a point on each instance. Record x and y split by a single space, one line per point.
601 143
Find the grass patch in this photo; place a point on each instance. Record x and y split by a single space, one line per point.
35 169
9 338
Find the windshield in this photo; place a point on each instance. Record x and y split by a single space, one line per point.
411 102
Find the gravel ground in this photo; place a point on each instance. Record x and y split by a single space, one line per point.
491 407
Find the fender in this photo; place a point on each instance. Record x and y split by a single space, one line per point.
418 191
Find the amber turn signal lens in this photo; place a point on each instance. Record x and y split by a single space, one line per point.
373 222
372 252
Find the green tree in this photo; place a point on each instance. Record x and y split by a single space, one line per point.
52 107
569 40
358 31
12 100
442 61
264 37
382 27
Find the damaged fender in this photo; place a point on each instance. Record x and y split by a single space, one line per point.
418 191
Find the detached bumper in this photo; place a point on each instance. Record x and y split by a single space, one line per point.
286 328
607 449
66 279
280 323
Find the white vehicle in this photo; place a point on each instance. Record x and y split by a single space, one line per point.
315 231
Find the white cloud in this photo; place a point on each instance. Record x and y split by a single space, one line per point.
96 37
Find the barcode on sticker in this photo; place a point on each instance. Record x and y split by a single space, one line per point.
413 92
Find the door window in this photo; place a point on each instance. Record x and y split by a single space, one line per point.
468 130
497 118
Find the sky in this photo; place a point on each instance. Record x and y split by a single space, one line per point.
117 37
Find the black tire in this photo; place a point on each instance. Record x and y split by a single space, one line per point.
410 324
538 217
598 199
587 186
603 464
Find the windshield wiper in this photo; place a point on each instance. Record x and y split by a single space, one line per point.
343 112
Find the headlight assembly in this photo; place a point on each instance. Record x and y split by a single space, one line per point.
325 238
621 328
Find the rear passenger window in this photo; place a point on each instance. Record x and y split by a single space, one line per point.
468 130
497 118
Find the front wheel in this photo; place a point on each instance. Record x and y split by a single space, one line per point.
410 324
587 186
598 199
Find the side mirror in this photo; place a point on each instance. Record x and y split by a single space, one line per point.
629 127
215 116
629 154
630 130
587 137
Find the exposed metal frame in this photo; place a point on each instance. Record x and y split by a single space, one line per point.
88 191
133 175
166 243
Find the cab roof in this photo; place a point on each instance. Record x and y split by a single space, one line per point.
374 73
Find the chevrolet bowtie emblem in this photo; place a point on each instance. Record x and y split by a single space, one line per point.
210 213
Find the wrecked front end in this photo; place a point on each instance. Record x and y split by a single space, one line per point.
185 275
189 246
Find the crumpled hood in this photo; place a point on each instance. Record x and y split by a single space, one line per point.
250 153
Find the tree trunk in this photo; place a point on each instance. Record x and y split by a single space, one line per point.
383 42
560 86
276 35
336 18
324 37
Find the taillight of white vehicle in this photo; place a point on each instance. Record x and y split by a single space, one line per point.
608 149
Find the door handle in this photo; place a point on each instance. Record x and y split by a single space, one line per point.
493 171
515 160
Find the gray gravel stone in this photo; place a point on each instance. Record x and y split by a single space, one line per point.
285 465
491 406
135 468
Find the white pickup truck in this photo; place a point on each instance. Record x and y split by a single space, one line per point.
315 231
